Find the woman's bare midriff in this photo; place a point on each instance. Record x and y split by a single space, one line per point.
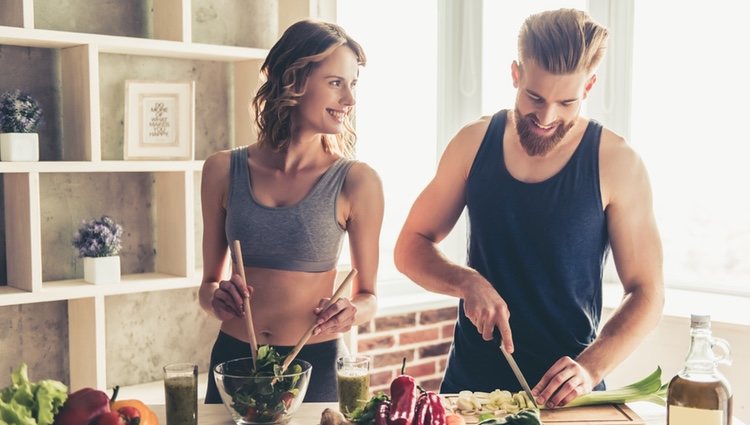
282 305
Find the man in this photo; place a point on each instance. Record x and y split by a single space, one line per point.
547 191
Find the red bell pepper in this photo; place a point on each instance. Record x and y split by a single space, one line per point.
422 411
403 398
382 416
82 407
437 411
429 410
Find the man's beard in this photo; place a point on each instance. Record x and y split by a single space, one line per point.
532 143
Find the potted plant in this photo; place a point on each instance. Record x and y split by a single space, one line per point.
20 116
98 241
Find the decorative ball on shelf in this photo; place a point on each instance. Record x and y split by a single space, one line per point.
98 241
20 116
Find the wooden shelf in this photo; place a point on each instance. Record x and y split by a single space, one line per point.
62 290
99 166
127 45
86 105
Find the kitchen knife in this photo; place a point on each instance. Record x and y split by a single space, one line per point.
519 375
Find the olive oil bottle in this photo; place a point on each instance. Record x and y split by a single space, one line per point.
700 394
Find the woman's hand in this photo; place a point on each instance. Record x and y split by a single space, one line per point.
337 318
227 298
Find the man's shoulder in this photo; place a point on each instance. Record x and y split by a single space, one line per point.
470 136
462 149
615 151
475 129
622 170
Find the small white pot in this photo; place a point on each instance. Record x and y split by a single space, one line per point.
101 269
19 147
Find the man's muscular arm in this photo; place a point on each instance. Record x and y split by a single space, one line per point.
637 252
431 218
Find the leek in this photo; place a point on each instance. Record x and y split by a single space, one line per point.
648 389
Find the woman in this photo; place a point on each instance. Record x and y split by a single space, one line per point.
289 199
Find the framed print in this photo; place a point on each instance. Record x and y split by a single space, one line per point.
159 120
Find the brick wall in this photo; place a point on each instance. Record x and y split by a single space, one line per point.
423 337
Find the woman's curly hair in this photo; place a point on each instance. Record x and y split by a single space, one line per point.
286 69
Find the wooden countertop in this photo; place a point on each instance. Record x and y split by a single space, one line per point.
309 414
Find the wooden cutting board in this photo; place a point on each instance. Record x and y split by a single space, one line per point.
608 414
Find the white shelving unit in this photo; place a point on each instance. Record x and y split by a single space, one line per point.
174 181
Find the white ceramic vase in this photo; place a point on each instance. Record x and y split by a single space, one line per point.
19 147
100 270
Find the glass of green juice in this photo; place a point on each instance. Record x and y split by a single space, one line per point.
181 393
353 382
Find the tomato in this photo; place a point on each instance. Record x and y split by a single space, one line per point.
454 420
145 415
287 398
131 415
251 414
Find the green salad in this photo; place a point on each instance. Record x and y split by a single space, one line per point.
265 395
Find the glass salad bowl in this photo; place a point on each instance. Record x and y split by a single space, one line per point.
253 397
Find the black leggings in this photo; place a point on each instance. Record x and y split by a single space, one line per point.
322 356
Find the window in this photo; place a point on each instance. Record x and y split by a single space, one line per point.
685 119
690 93
396 98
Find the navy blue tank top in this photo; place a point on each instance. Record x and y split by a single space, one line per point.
542 246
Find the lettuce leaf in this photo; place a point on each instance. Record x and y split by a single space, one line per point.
50 396
15 413
28 403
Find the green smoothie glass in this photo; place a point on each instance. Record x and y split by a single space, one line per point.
181 393
353 381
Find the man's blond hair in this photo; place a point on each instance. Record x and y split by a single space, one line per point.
563 41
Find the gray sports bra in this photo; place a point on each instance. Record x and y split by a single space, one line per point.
302 237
